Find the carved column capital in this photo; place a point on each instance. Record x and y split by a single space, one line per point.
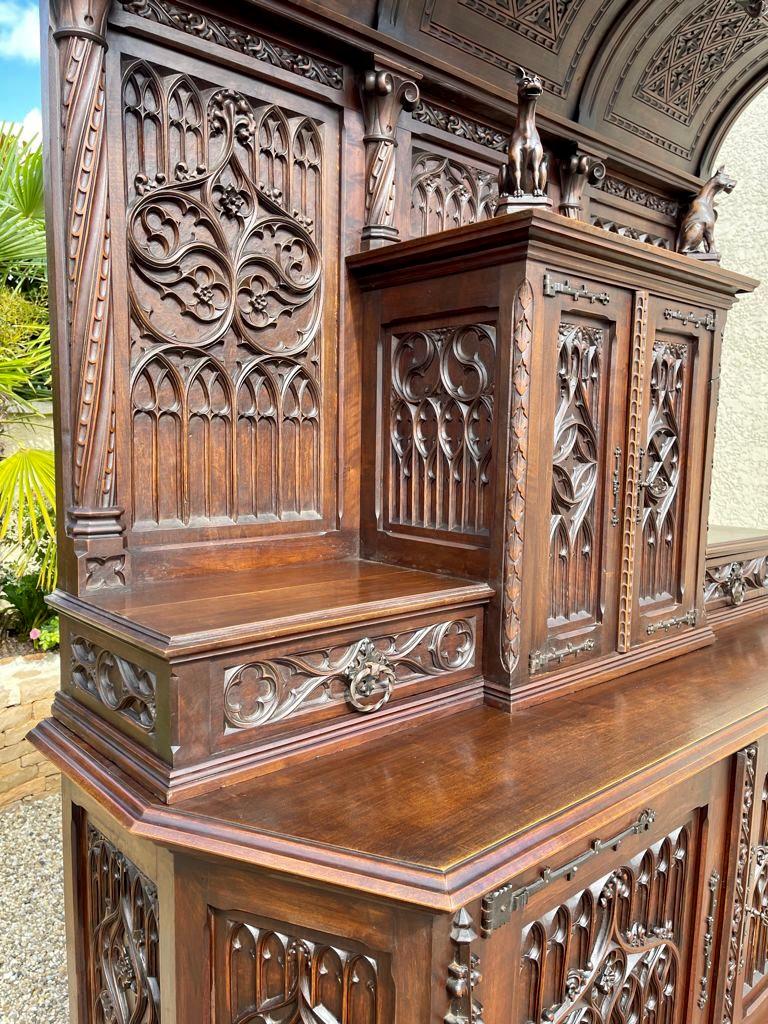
84 18
385 93
578 170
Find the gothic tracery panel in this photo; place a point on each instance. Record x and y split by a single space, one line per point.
446 193
225 218
284 974
574 523
123 937
756 912
441 418
662 470
612 952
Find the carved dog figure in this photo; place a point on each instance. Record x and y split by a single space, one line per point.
525 173
697 230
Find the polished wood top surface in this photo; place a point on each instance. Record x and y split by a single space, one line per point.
182 616
445 791
441 812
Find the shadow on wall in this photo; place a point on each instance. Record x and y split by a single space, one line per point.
740 478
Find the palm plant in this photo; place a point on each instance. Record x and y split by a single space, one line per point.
27 485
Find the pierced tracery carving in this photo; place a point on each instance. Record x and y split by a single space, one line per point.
123 938
448 194
128 689
286 975
611 953
756 924
224 233
441 417
660 470
270 690
734 582
575 471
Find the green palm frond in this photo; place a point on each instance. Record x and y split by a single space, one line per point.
27 494
22 234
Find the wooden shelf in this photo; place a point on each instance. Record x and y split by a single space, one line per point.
179 617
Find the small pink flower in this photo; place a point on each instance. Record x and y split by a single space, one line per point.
34 634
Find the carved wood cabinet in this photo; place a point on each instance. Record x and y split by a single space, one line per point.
398 684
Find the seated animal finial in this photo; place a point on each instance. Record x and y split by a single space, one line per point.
523 179
697 230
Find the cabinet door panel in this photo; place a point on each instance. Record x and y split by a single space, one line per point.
669 498
587 352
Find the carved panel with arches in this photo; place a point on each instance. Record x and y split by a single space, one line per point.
229 351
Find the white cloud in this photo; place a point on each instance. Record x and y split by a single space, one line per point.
19 30
32 125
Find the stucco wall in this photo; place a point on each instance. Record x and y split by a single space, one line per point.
740 479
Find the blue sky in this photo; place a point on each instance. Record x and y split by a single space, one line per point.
20 63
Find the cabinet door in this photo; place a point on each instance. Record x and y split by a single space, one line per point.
617 934
584 406
666 592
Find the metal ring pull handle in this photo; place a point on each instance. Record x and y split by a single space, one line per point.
370 678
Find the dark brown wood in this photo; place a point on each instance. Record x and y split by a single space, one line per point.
391 690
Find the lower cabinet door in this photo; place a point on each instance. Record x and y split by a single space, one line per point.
622 928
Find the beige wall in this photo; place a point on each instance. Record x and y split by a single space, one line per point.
740 480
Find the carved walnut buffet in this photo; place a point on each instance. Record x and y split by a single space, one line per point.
398 682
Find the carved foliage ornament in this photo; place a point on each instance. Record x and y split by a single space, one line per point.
363 673
257 47
385 95
516 476
287 976
123 687
735 581
441 427
123 933
460 127
224 234
576 172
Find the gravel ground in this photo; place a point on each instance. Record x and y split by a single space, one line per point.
33 986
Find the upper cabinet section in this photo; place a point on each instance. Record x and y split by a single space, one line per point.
542 416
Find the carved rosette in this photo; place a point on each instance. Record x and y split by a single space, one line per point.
80 27
517 466
123 937
385 95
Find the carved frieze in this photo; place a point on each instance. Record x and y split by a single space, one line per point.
626 231
127 689
516 477
123 937
735 581
282 974
462 127
441 409
614 186
226 282
446 193
613 950
253 45
385 94
262 692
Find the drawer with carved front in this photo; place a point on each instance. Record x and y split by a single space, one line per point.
362 673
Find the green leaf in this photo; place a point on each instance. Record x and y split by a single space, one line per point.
28 493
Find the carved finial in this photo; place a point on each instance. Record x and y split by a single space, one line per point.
697 230
385 95
523 179
463 974
576 172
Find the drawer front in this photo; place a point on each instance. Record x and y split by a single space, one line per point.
358 673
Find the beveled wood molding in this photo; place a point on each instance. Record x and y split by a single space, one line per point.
551 236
